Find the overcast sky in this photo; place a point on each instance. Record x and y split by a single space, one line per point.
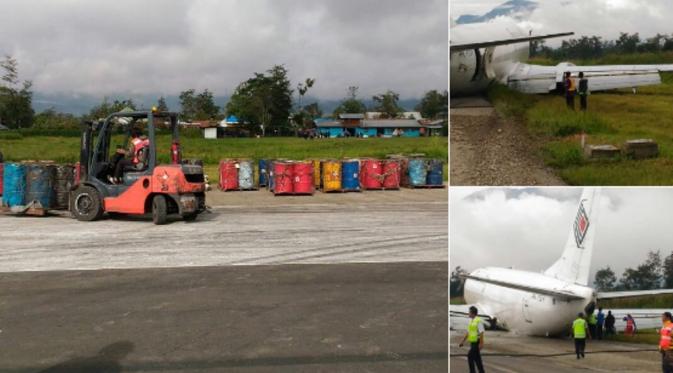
605 18
161 46
527 228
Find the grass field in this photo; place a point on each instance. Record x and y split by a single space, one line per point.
613 118
66 149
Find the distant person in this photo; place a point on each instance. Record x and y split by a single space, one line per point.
569 84
475 335
610 324
665 345
600 321
583 91
630 328
580 333
593 324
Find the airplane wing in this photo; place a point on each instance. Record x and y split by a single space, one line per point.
495 43
631 294
543 79
459 318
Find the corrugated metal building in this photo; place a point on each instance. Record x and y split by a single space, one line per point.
355 125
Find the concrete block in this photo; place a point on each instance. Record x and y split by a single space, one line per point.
641 149
601 151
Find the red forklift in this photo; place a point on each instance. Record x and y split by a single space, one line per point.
146 187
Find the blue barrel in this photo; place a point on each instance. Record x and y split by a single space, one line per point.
263 173
435 172
14 184
39 184
269 183
350 174
246 179
418 172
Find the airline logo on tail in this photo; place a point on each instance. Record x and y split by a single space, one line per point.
581 225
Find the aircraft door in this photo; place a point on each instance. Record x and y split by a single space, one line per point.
526 310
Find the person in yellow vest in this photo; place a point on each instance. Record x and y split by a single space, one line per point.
570 90
475 335
593 323
665 345
580 333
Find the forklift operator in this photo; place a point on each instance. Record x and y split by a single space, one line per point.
137 144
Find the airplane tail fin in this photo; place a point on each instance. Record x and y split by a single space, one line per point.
575 262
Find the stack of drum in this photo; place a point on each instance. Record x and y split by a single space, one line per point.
37 185
331 176
293 178
237 174
424 173
350 175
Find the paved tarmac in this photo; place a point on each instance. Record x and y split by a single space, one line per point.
507 353
283 285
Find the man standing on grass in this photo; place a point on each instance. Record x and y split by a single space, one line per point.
580 332
570 89
665 345
475 335
600 320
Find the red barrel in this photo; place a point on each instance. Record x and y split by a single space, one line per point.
391 174
228 175
2 179
283 173
302 180
372 174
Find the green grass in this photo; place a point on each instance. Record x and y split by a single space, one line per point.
613 118
644 336
646 301
66 149
457 300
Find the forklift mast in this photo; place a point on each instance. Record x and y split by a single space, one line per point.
85 149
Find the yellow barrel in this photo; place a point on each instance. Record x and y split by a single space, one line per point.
316 173
331 176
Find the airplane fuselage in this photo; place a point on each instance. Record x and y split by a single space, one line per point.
473 70
525 312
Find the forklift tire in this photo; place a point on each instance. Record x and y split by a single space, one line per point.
159 210
86 204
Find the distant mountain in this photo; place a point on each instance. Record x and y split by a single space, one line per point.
78 104
517 9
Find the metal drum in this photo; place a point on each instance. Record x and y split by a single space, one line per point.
331 176
282 177
371 174
302 178
417 172
263 173
350 175
64 179
246 177
78 173
39 184
14 184
317 173
391 174
228 175
270 180
435 172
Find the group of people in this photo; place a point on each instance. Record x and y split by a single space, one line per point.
572 89
591 326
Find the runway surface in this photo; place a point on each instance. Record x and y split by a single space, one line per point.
260 285
506 353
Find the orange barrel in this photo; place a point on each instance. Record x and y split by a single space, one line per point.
331 176
228 175
303 178
316 173
391 174
283 173
372 174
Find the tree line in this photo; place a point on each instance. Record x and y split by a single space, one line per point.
590 47
266 103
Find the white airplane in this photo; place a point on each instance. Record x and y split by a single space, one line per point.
545 304
481 53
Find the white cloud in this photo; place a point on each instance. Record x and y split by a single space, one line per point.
157 46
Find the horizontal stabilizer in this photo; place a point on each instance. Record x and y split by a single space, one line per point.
495 43
555 293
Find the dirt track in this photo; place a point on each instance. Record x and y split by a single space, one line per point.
489 150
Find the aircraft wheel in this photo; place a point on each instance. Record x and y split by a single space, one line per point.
159 210
86 204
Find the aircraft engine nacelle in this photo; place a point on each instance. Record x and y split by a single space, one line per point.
471 70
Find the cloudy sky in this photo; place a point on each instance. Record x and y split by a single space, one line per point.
527 228
160 46
605 18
